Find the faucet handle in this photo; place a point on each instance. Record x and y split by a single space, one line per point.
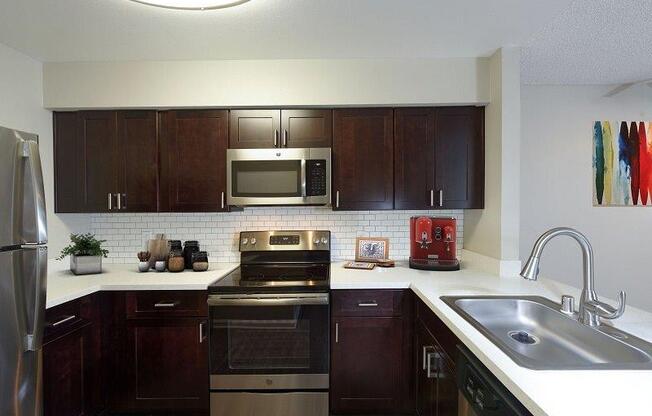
609 312
567 304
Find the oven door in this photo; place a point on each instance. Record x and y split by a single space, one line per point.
269 341
275 176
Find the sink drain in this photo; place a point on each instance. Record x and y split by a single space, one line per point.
523 337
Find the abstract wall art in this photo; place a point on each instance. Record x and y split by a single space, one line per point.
622 163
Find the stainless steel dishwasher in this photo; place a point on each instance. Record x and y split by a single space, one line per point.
480 392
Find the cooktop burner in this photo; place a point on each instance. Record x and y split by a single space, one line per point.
279 261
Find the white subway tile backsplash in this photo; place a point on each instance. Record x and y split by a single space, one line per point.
126 234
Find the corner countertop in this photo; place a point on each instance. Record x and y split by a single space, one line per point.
63 286
552 393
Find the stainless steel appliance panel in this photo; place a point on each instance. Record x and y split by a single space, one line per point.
22 306
269 381
283 186
21 186
269 404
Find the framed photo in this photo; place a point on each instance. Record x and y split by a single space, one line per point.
371 249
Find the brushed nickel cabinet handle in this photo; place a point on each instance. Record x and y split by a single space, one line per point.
432 197
285 138
337 199
441 197
164 304
275 138
110 203
202 337
119 196
337 332
222 199
426 351
64 320
371 304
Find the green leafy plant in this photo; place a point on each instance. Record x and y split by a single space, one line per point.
84 245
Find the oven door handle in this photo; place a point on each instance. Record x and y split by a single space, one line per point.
268 300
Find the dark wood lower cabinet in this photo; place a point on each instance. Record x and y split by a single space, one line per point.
167 367
371 356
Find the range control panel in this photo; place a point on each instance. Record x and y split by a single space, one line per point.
306 240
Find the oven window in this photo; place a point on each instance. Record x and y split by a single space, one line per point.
269 339
266 178
269 344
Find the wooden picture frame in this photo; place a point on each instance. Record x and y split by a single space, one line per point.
371 249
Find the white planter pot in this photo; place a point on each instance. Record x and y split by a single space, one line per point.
86 264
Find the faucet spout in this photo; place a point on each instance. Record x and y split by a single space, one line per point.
591 309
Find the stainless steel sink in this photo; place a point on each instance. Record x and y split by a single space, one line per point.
535 334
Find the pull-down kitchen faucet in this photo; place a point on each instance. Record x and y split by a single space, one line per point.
591 309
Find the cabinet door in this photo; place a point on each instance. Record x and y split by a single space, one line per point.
167 365
426 387
251 129
366 365
446 388
137 161
363 159
307 128
459 157
67 163
193 152
65 374
414 146
97 153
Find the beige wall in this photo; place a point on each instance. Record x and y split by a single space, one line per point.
557 190
266 83
494 231
21 108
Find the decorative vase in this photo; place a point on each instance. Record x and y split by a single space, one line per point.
143 266
160 266
85 264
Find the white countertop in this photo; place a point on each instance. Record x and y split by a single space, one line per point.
553 393
63 286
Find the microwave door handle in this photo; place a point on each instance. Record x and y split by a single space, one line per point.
304 193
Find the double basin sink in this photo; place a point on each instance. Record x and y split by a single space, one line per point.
534 333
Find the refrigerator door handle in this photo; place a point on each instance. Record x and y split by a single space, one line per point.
34 219
35 261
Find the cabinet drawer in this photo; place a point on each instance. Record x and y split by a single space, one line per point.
160 303
368 302
63 319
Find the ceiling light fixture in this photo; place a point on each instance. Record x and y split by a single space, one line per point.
192 4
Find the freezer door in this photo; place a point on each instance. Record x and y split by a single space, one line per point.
22 205
22 307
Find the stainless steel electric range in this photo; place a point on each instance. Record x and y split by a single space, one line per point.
269 332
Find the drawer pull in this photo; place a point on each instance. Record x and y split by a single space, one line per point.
202 337
63 321
371 304
164 304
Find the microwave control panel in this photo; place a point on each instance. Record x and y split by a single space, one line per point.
315 177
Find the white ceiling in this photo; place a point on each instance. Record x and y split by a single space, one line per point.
110 30
592 42
565 41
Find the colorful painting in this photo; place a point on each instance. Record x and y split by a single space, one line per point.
622 163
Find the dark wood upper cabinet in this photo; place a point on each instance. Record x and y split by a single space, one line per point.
252 129
439 158
67 169
306 128
193 155
97 154
363 159
414 158
459 157
137 167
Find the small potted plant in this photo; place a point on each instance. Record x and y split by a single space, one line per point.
85 253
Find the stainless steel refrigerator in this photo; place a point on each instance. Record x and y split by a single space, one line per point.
23 272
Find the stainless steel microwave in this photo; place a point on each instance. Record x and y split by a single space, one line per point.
278 176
